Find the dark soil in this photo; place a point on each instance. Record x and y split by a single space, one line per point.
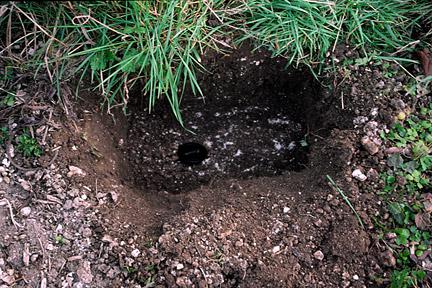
258 212
254 120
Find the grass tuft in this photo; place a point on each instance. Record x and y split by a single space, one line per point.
159 44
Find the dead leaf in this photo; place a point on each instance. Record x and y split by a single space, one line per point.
428 206
426 61
427 203
423 221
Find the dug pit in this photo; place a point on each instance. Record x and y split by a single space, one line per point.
254 119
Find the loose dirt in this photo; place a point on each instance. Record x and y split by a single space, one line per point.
258 212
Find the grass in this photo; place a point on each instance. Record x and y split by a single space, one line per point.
345 198
307 31
155 47
117 44
406 182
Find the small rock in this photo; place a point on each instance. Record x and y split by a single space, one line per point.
369 145
34 257
26 254
6 162
179 266
360 120
390 236
372 174
276 249
25 185
356 277
345 275
114 196
181 281
374 112
84 272
25 211
393 150
68 204
398 104
73 170
8 279
286 210
388 259
113 272
49 247
319 255
44 283
380 84
358 174
87 232
135 253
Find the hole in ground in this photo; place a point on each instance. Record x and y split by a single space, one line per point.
253 119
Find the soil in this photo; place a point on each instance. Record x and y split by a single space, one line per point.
259 212
241 121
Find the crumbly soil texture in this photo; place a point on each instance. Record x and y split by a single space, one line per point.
253 119
113 207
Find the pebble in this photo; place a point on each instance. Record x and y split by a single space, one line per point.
286 210
87 232
34 257
372 174
388 259
135 253
393 150
114 196
84 272
68 204
276 249
358 174
374 112
369 145
360 120
25 211
319 255
179 266
8 279
73 170
25 185
6 162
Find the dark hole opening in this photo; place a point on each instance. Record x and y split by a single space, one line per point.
191 153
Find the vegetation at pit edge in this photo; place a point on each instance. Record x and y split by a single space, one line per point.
407 190
157 46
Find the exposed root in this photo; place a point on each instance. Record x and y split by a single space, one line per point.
3 202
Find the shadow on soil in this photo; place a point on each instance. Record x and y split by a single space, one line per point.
257 119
